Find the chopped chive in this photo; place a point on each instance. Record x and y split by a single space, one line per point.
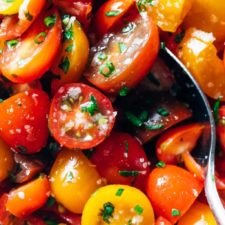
64 64
119 192
138 209
179 37
144 115
153 79
113 13
124 91
12 43
160 164
40 38
163 112
92 107
102 56
69 48
28 16
154 126
129 27
107 69
175 212
129 173
216 109
133 119
107 212
50 21
122 47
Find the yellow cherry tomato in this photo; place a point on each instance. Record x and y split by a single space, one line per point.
10 7
209 16
169 14
199 55
73 179
71 62
199 213
6 160
116 205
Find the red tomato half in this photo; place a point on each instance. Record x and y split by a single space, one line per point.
122 160
29 57
123 58
80 116
23 123
172 190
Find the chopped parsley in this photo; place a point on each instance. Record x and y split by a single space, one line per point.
138 209
12 43
40 38
124 91
92 107
107 69
113 13
162 45
160 164
50 202
154 126
144 115
68 34
163 112
119 192
107 212
133 119
128 28
122 47
102 56
142 4
175 212
216 109
129 173
50 20
69 48
64 64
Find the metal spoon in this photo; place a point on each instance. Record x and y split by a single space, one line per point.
192 93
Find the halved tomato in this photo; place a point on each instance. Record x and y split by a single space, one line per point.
124 57
80 116
29 57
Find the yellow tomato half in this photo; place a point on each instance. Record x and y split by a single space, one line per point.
10 7
116 205
73 179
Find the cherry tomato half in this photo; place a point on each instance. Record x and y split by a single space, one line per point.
80 116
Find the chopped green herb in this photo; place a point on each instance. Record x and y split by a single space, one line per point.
51 201
138 209
160 164
126 146
64 64
216 109
69 48
129 173
65 19
162 45
113 13
133 119
40 38
28 16
154 126
142 5
163 112
179 37
144 115
50 20
153 79
68 34
119 192
122 47
175 212
107 212
102 56
12 43
124 91
128 28
92 107
107 69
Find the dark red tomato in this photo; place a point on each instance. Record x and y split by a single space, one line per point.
108 14
23 123
221 127
172 190
122 160
30 56
123 58
81 9
80 116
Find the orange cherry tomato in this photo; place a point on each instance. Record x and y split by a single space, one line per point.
73 58
118 58
199 213
80 116
176 141
162 221
172 190
30 56
14 26
24 124
110 13
28 198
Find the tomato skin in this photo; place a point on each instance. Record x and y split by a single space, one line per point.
120 77
69 177
180 195
176 141
14 26
35 61
124 203
221 128
102 22
199 213
119 152
28 198
87 130
162 221
25 126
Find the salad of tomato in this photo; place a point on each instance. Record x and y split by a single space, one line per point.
92 128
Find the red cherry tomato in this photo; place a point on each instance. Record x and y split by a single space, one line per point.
172 190
221 127
24 121
33 54
80 116
176 141
118 58
125 161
